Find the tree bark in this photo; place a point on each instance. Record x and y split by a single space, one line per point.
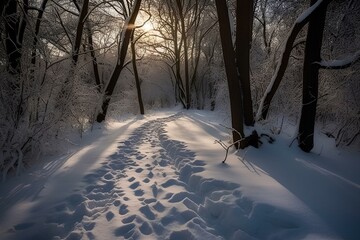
12 44
126 33
79 31
244 9
284 59
136 75
37 30
66 88
186 60
311 79
35 115
231 72
93 57
92 50
177 53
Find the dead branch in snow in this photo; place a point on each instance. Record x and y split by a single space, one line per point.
252 140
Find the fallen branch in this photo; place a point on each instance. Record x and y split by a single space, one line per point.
353 138
252 140
233 129
226 148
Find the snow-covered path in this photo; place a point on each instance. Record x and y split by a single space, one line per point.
150 181
139 191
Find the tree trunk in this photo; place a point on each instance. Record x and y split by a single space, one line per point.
23 22
66 88
92 51
284 59
12 44
79 31
231 72
126 33
34 114
186 60
2 7
310 79
37 30
93 57
177 52
14 32
136 75
244 9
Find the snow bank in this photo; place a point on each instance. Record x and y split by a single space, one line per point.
161 177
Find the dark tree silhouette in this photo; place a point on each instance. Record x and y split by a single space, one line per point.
231 72
244 9
136 74
300 22
120 63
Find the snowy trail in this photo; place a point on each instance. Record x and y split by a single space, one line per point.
160 179
121 188
148 159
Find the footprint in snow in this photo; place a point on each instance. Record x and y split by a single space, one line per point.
147 212
123 209
129 219
109 216
146 229
134 185
139 192
123 230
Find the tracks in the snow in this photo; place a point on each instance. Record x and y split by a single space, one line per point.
149 189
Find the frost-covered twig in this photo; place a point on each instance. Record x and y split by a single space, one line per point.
226 148
292 141
233 129
353 138
340 64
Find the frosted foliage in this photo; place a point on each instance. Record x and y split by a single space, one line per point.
124 102
339 90
35 118
339 103
337 111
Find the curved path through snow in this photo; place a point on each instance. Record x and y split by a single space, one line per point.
152 188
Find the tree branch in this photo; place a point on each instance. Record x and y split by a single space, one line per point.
341 63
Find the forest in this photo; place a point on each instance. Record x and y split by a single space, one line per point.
255 67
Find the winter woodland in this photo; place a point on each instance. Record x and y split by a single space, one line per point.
179 119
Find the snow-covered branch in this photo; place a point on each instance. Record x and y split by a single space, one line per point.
340 63
285 55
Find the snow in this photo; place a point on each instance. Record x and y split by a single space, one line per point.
308 11
339 63
161 177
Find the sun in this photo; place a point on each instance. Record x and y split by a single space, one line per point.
147 27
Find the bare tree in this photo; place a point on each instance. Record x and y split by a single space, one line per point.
136 73
180 9
15 25
120 63
182 27
244 9
310 79
285 55
312 64
231 73
89 34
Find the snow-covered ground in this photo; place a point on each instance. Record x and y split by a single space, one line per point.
161 177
